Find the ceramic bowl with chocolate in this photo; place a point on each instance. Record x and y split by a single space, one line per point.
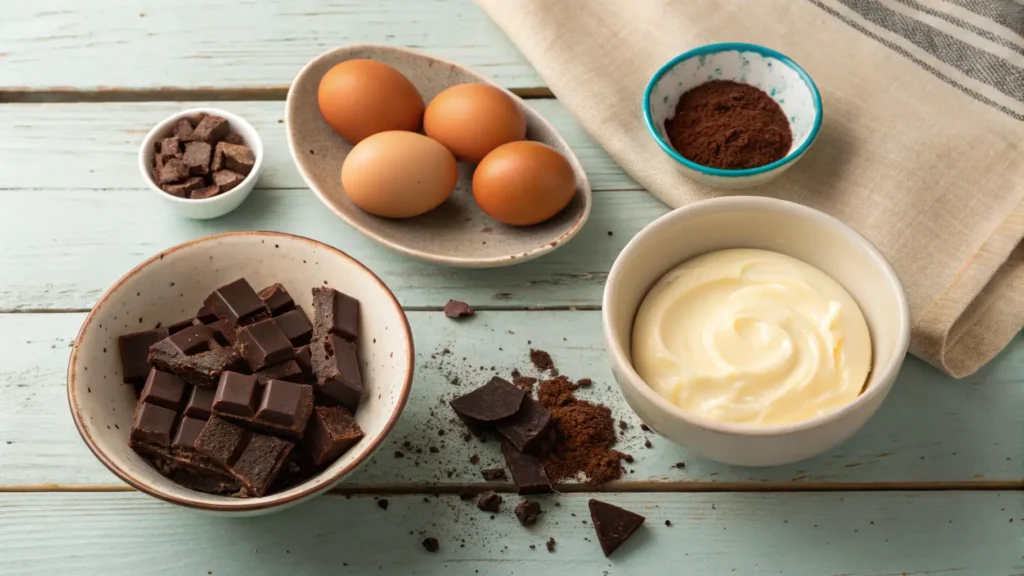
241 372
202 163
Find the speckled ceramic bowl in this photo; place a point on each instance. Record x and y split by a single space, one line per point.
171 286
458 233
758 66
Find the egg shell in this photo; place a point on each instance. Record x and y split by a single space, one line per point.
360 98
471 120
399 174
523 183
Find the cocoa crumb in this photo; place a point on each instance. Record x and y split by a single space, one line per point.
434 450
431 544
399 454
474 459
524 383
383 503
645 427
550 544
668 522
542 360
647 444
622 425
584 382
679 465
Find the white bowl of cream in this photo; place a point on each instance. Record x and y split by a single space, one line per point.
754 331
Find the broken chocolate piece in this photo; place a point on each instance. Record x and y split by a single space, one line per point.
234 138
260 461
227 180
431 545
335 313
491 402
200 403
168 148
238 158
295 326
163 389
183 189
224 335
337 372
288 370
152 424
489 501
172 170
331 432
200 369
218 157
527 512
183 129
222 441
236 395
134 350
210 129
613 525
262 344
528 427
277 299
197 157
237 304
527 471
458 309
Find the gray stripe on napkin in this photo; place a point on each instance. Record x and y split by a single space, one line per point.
924 65
963 24
1002 12
973 62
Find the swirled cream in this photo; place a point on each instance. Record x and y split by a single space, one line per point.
752 337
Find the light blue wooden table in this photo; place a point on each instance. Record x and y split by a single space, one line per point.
934 484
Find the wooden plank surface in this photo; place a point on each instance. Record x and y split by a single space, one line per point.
98 144
931 430
859 533
72 45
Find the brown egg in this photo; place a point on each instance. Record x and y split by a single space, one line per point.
473 119
399 174
359 98
523 183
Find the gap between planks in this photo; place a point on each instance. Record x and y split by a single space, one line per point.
25 95
483 308
618 487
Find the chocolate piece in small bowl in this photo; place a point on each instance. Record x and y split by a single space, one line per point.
167 458
203 162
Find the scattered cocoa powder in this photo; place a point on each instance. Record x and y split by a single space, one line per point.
542 360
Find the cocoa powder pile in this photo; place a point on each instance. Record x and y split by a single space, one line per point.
725 124
583 435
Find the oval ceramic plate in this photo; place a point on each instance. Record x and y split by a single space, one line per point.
458 233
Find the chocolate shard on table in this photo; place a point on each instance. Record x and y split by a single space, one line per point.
295 326
485 406
197 158
263 344
527 470
210 129
194 356
527 512
613 525
277 299
331 432
237 304
337 373
458 309
288 370
527 428
489 501
278 407
134 349
335 313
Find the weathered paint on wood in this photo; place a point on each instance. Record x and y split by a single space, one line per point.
98 144
931 428
858 533
68 45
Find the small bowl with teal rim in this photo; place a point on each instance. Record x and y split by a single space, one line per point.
772 72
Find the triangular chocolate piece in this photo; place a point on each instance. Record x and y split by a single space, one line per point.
496 400
613 525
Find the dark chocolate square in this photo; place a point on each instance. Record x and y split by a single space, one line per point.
134 350
237 395
188 432
153 424
263 344
206 316
222 441
336 313
286 404
200 402
237 304
192 340
331 432
225 335
163 389
528 427
179 326
295 326
260 462
305 360
277 299
337 374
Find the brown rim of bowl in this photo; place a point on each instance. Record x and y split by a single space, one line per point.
453 261
244 505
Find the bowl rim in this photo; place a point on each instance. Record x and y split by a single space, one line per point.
732 47
583 181
145 150
241 504
883 376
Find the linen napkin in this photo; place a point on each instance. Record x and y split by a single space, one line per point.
920 149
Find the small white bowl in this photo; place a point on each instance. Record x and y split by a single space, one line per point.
771 71
220 204
754 222
171 286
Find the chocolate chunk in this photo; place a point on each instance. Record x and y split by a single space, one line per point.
337 372
172 170
238 158
152 424
168 148
188 433
286 405
197 158
163 389
206 482
237 304
493 474
302 356
183 189
613 525
331 432
288 370
200 369
262 344
227 180
224 334
527 471
277 299
192 340
210 129
134 350
489 502
236 395
528 427
457 309
204 193
486 405
218 157
183 129
234 138
205 315
431 545
336 313
222 441
260 461
382 503
200 403
295 326
527 512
